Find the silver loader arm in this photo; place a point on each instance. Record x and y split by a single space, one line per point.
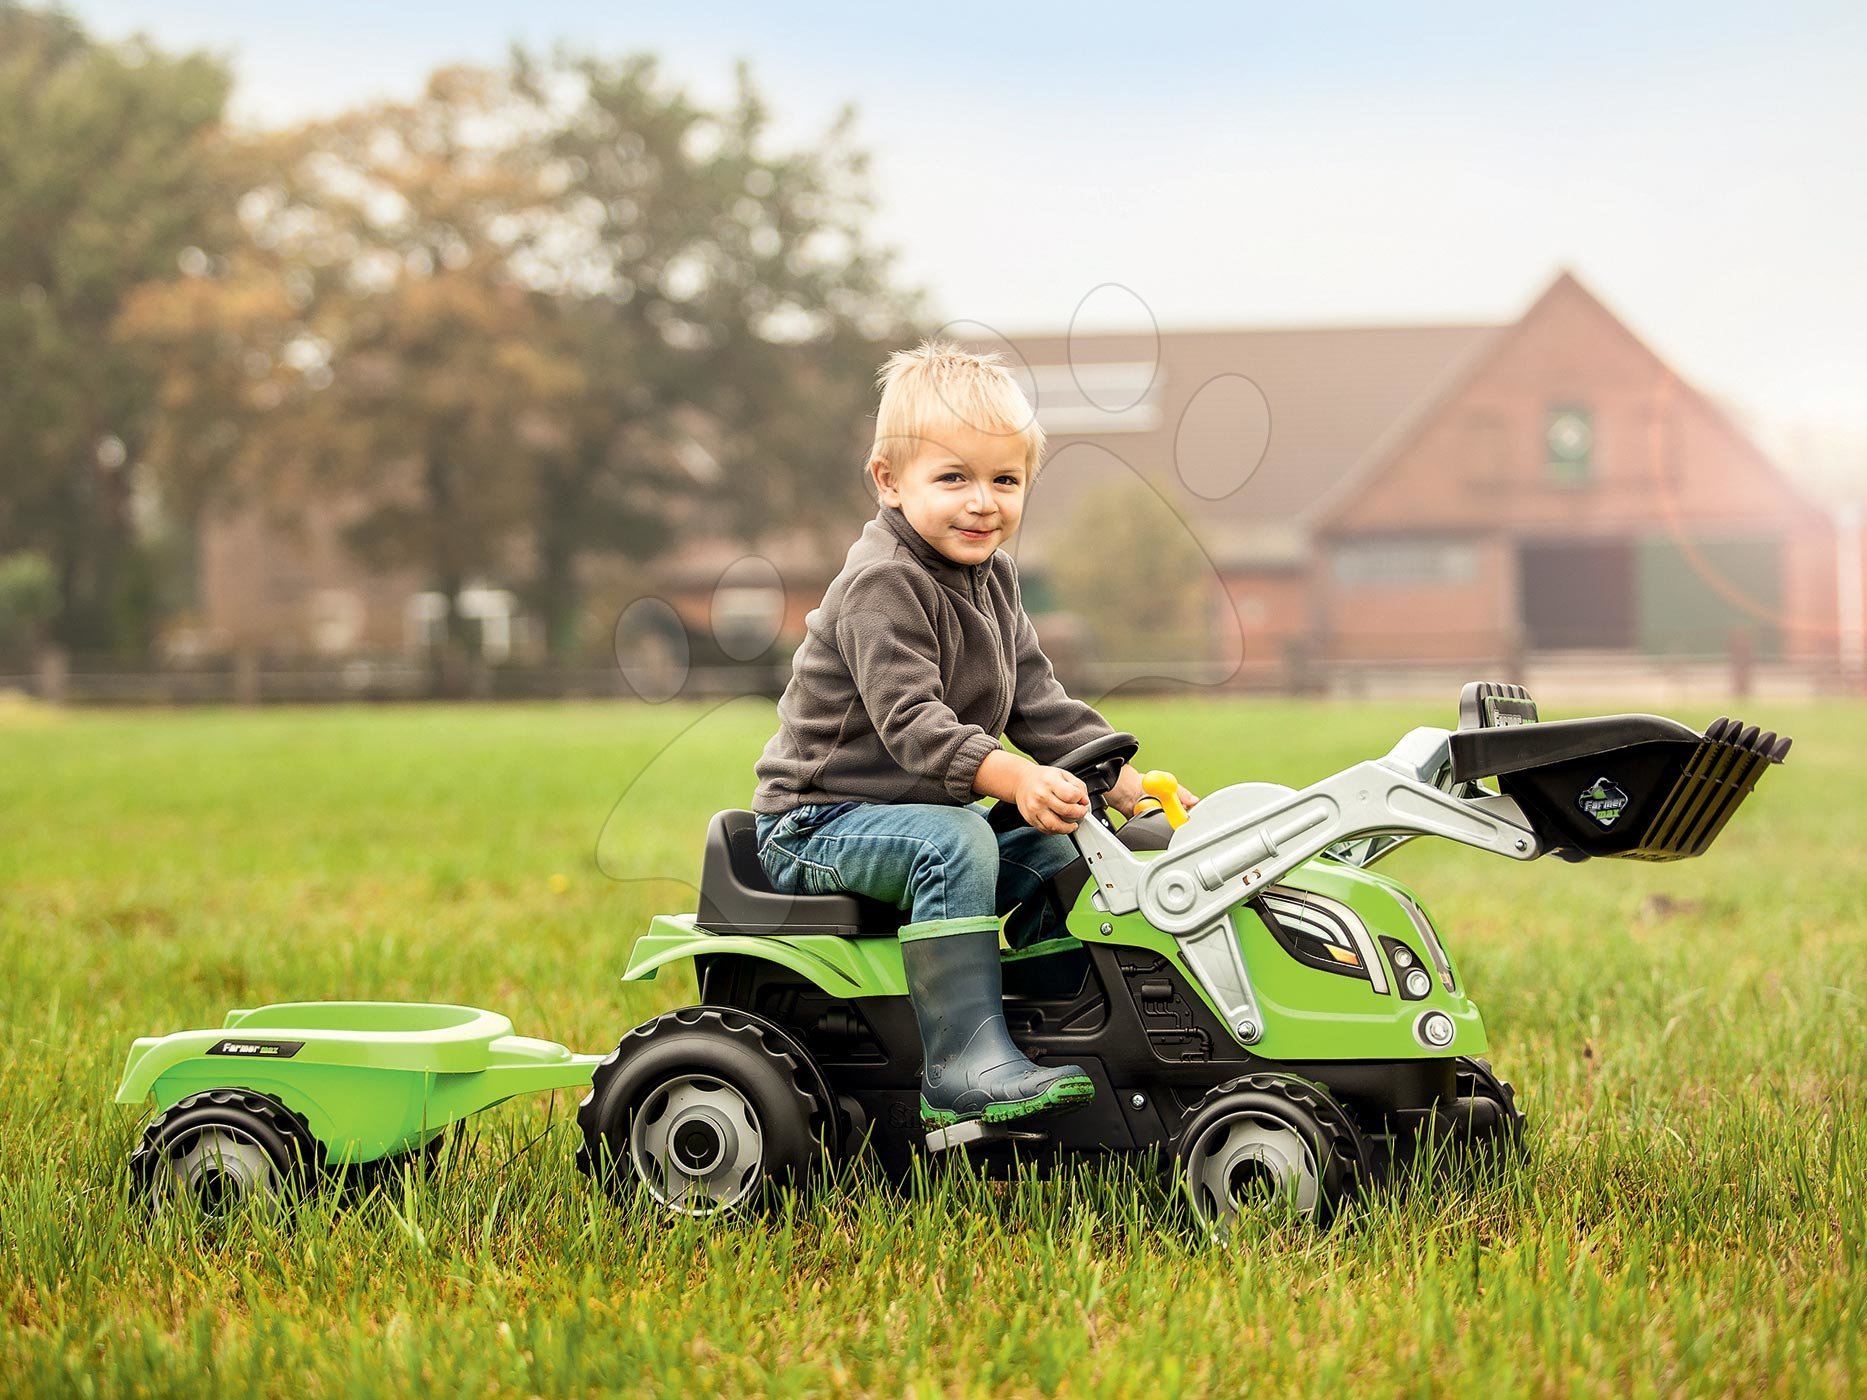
1242 839
1227 852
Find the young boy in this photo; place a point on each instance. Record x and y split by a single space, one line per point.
919 657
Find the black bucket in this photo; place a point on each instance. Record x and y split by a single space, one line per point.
1635 786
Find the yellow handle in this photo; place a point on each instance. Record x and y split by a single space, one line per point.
1163 786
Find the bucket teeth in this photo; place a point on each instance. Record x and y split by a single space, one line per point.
1768 745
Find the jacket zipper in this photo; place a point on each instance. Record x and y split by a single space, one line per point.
998 693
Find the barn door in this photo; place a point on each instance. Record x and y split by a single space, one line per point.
1577 596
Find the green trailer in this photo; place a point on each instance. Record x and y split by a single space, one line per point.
279 1093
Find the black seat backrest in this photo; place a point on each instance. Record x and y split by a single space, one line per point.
735 896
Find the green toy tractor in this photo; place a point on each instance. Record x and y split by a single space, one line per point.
1250 997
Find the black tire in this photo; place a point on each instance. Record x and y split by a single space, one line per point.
1264 1139
1485 1116
221 1147
1479 1126
708 1109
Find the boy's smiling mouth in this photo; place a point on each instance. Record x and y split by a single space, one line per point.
974 534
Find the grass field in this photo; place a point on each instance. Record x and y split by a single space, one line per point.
1688 1040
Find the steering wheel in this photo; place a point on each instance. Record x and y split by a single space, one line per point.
1098 763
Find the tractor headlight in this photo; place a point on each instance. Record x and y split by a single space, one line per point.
1416 983
1435 1030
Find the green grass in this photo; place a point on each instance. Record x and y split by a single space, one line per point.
1688 1040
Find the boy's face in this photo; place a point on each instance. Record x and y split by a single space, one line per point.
961 489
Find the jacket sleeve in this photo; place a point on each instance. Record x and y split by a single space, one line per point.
1045 721
886 635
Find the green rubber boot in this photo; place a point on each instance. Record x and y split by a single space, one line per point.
971 1068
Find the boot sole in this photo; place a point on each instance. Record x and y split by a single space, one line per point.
1069 1092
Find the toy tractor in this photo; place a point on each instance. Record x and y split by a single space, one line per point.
1248 995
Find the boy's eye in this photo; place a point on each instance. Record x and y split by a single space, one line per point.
1007 479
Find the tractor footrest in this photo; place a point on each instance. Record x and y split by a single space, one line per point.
977 1132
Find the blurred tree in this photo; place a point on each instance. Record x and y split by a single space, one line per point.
1143 598
112 170
227 349
426 370
28 600
542 313
723 305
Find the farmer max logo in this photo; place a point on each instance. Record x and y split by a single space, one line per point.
258 1049
1603 801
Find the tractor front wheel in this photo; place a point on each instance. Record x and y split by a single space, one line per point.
1485 1114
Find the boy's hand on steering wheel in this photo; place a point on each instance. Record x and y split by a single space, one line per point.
1052 799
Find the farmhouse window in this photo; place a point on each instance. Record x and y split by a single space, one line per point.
1403 562
1570 439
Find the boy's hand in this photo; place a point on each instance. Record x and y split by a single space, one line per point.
1051 799
1127 791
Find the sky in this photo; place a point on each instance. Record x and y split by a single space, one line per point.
1700 167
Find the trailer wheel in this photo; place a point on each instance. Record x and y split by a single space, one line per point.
1269 1142
707 1109
220 1148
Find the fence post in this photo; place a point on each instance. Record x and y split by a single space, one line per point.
246 677
54 675
1297 679
1743 653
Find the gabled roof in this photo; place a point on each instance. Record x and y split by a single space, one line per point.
1565 286
1334 396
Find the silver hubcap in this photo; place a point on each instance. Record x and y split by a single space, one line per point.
219 1167
1250 1160
696 1144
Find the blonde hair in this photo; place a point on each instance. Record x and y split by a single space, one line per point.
939 383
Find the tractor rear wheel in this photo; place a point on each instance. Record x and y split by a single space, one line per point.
708 1109
1269 1142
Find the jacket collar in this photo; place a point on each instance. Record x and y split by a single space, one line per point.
932 559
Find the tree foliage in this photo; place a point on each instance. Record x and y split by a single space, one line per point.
725 304
113 166
543 313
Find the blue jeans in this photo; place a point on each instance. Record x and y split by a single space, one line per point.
944 866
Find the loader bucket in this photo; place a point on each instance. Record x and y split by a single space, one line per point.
1639 787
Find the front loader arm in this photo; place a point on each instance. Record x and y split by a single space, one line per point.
1233 846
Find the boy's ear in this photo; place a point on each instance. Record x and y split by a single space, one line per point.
884 477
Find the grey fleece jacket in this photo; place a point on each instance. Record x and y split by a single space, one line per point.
909 671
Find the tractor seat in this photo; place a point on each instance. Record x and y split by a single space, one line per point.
735 896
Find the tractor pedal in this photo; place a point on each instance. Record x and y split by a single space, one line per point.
977 1132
